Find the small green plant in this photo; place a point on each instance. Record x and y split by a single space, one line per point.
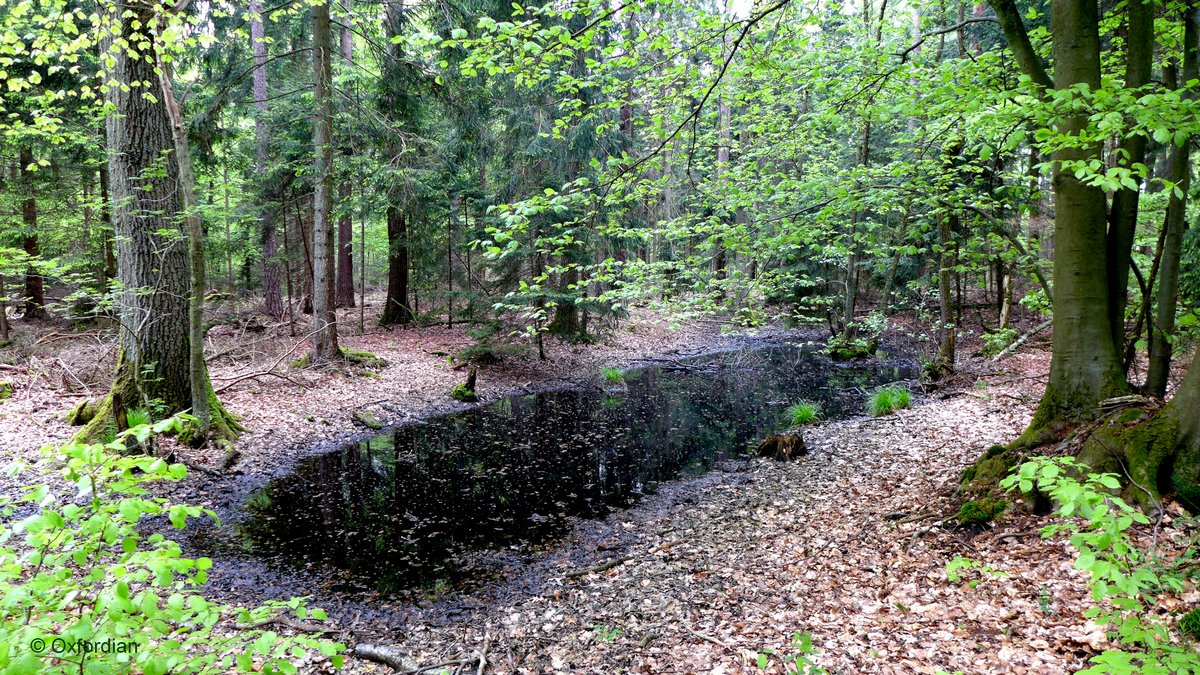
1127 581
956 567
1189 624
1037 301
461 392
998 340
888 400
606 633
804 412
86 586
798 660
613 375
136 417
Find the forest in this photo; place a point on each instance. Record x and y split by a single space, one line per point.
730 336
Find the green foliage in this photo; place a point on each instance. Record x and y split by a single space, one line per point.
859 339
136 417
998 340
83 572
979 511
1189 624
1127 581
606 633
804 413
956 567
1036 301
461 392
801 648
613 375
889 399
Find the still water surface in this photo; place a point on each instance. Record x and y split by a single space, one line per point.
409 508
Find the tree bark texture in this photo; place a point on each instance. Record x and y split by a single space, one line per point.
324 324
1085 365
151 250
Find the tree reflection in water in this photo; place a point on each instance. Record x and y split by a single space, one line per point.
404 508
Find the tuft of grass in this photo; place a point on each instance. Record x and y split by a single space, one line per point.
613 375
136 417
888 399
803 413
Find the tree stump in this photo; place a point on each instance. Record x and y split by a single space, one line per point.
783 446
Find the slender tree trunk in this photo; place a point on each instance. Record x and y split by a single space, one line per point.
324 326
35 298
1163 327
720 259
1131 151
198 369
345 265
262 150
396 309
108 252
3 312
947 280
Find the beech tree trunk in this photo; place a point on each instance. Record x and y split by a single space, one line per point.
324 324
1131 151
1179 173
35 298
272 300
1085 365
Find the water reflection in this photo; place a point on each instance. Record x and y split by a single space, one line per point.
404 508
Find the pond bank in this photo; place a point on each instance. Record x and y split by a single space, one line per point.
710 572
843 544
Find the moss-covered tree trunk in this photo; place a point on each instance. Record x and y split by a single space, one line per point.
1159 453
154 362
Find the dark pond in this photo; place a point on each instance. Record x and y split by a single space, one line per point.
408 508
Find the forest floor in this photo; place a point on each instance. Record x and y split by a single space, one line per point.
292 411
848 544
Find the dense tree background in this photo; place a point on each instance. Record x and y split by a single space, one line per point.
542 169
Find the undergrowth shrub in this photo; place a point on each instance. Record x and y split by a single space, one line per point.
1127 581
88 586
613 375
998 340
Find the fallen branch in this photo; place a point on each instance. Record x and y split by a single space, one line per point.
708 638
252 376
385 654
1022 340
605 566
